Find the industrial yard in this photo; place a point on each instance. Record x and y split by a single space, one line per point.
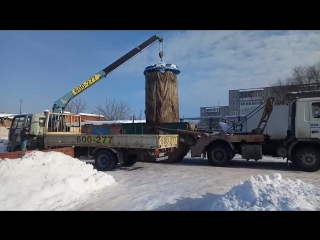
132 140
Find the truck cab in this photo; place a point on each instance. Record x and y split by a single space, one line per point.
36 124
306 118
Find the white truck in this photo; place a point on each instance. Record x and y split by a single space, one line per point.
293 131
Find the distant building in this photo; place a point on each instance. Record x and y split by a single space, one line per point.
243 99
86 117
214 111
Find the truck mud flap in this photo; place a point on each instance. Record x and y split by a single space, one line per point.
251 152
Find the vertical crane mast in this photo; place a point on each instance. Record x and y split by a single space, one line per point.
60 104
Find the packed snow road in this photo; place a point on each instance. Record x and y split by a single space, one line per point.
194 185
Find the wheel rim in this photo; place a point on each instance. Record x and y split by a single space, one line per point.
218 155
308 159
103 161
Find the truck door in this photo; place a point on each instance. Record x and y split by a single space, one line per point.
14 131
42 123
314 119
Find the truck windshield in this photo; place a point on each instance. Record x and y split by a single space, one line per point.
17 122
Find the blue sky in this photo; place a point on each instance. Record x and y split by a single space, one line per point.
41 66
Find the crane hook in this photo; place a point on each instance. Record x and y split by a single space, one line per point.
161 55
161 50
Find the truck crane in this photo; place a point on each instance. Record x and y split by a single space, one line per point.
60 104
57 129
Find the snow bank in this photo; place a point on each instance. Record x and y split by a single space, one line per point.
3 145
47 181
270 193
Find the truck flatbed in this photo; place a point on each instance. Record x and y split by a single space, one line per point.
141 141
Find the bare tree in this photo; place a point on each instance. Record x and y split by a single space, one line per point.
113 110
76 106
314 73
302 78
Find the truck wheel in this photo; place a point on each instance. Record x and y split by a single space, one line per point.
105 160
307 159
219 155
129 161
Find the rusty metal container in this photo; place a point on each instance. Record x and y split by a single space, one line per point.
13 155
112 129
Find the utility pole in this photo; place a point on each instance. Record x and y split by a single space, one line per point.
20 105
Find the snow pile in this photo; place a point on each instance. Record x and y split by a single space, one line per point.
47 181
7 115
270 193
3 145
162 67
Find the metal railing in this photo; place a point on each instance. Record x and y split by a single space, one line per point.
63 123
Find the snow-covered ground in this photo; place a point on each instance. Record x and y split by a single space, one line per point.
48 181
58 182
195 185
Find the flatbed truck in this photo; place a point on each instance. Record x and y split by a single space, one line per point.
53 130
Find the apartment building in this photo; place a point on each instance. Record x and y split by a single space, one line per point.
243 99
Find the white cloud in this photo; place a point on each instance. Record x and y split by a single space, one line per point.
213 62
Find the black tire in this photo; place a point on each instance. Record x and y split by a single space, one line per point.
129 161
219 155
105 160
307 159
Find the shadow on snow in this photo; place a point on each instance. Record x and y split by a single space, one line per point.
190 204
